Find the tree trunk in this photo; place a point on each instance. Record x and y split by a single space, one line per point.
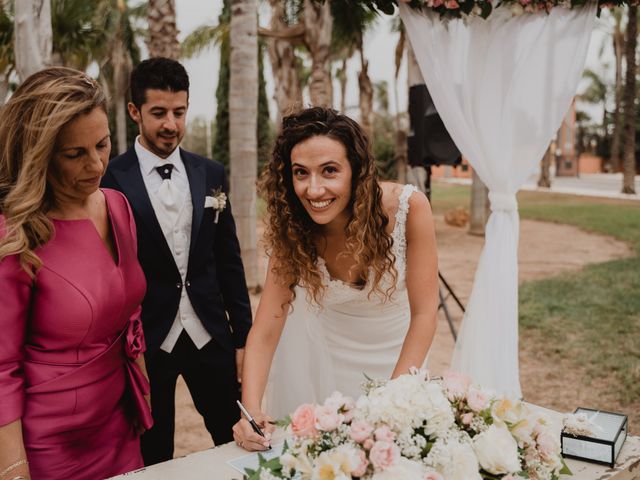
479 206
629 155
618 49
243 142
33 36
544 180
288 94
318 25
366 96
4 87
163 32
341 74
121 70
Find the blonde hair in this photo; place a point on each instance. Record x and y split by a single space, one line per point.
30 123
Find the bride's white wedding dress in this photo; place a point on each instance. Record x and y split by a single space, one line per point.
332 347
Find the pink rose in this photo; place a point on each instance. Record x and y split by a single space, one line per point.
456 384
362 468
477 400
327 418
367 444
434 476
437 3
360 430
467 418
134 344
384 454
451 4
303 421
384 434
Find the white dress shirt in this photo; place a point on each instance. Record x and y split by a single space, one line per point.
177 231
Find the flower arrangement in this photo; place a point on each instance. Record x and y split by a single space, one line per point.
416 428
483 8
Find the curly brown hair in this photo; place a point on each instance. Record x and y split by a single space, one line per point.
292 236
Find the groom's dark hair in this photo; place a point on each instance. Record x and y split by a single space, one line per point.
157 73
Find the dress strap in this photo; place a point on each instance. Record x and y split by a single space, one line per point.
399 237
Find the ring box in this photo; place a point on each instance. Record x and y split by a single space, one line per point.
604 445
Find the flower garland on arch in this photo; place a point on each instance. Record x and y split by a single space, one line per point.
483 8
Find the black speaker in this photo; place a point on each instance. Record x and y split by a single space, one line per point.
429 143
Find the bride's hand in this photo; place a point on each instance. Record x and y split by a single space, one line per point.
245 437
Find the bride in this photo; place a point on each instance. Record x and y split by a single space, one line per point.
352 271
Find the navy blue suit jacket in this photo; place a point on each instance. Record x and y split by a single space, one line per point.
215 280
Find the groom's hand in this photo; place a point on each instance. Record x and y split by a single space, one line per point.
239 363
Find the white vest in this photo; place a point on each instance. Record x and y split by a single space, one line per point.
177 232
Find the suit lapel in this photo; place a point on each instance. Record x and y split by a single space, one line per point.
197 184
130 179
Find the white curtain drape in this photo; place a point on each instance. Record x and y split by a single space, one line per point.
502 86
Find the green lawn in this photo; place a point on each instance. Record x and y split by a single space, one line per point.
590 318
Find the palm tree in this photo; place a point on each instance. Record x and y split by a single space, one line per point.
350 23
7 62
78 32
318 26
117 55
284 62
163 33
544 180
243 114
596 93
617 36
204 37
629 154
311 25
33 36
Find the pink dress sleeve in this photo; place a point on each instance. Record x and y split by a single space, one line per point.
15 295
135 336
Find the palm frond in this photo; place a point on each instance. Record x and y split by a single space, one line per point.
202 38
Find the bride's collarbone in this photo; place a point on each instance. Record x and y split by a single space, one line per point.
342 268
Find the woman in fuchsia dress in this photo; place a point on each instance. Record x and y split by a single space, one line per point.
72 381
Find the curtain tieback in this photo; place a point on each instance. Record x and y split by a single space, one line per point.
505 202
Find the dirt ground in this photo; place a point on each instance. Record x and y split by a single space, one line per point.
546 249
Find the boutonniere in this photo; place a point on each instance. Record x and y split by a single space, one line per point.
217 201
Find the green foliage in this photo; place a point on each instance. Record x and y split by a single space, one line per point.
384 146
7 59
204 37
195 139
78 31
264 130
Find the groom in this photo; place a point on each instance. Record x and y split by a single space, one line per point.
196 313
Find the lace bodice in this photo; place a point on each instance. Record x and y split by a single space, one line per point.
339 292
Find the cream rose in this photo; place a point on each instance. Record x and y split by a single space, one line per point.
497 450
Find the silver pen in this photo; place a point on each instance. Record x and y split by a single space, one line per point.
251 421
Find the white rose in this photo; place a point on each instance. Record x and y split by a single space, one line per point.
404 469
497 450
463 464
455 460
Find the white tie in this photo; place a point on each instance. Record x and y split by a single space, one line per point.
167 192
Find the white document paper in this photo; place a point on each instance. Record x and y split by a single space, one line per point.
251 459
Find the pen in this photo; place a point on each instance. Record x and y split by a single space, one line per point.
252 422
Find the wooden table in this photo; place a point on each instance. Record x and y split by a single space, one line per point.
212 464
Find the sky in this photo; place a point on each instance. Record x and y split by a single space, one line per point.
379 43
